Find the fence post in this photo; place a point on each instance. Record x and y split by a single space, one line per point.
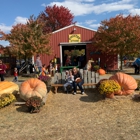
89 78
63 77
55 78
93 78
85 72
97 78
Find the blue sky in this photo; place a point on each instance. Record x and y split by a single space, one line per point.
87 13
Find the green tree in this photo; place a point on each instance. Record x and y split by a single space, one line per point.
119 35
27 39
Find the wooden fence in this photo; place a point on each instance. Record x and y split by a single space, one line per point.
88 77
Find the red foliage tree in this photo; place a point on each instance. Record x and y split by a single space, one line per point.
119 35
56 18
27 40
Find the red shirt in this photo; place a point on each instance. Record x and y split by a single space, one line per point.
15 73
3 67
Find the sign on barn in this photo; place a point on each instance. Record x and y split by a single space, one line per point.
74 38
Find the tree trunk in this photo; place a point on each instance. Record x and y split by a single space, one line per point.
121 59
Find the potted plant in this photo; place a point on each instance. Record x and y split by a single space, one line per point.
109 88
47 80
6 99
34 104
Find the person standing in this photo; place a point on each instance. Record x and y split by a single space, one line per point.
136 65
2 70
68 61
81 61
15 75
55 59
38 64
78 81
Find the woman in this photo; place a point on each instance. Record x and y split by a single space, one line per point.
77 80
2 70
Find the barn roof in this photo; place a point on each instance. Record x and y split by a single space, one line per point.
72 26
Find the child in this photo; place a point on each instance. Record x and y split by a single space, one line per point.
51 69
44 71
69 81
15 75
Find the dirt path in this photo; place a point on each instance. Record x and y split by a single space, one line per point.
73 117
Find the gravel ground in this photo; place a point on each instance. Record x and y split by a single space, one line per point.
74 117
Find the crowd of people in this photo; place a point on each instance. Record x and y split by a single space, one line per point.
42 69
73 77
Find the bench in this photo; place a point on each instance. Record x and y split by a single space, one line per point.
90 79
61 85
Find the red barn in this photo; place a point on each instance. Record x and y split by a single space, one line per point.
77 40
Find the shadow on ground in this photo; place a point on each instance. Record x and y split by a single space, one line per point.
20 107
136 98
92 95
21 80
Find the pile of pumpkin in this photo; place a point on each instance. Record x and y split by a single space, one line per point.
32 91
118 84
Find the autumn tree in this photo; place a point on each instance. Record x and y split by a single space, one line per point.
56 17
119 35
27 39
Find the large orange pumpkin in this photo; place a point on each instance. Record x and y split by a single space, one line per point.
8 87
33 87
101 71
127 82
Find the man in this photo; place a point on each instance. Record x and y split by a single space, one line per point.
136 65
38 63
